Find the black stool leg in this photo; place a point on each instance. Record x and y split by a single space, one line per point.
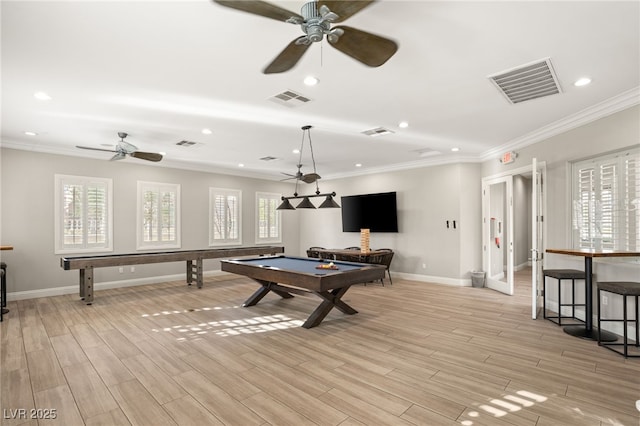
637 324
559 302
624 329
544 297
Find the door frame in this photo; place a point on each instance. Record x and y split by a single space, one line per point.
508 176
498 285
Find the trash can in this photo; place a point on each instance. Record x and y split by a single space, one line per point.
477 278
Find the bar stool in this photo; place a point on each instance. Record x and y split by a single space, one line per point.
624 289
560 275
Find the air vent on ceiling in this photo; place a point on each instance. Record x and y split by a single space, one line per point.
526 82
427 152
268 158
186 143
290 99
379 131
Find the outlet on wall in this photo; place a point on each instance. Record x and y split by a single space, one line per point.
121 269
133 269
605 300
424 266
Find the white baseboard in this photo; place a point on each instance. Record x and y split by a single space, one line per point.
459 282
59 291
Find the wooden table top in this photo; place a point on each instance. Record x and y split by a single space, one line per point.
595 253
6 247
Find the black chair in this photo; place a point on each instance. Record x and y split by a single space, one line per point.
625 289
560 275
313 252
385 260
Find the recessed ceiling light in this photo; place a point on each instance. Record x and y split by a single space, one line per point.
358 164
240 165
206 131
455 149
311 80
42 96
403 124
296 151
582 81
31 133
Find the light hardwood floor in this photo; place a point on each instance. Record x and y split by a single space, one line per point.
416 353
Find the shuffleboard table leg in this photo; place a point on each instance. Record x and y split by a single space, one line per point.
199 277
86 285
189 272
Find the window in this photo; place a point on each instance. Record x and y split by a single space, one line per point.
83 214
158 224
224 216
606 202
268 218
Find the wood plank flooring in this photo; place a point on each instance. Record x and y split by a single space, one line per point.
415 354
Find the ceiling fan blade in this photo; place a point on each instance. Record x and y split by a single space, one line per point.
262 8
344 9
310 177
370 49
119 156
149 156
288 57
96 149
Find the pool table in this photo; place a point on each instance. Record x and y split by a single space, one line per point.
286 274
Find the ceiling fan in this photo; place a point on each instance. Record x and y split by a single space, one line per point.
304 177
315 20
125 148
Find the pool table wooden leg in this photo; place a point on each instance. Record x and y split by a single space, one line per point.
330 300
265 287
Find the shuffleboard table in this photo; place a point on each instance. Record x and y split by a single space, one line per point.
285 275
193 258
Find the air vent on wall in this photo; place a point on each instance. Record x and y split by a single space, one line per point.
379 131
526 82
290 99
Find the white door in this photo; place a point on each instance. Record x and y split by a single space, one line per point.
537 235
497 233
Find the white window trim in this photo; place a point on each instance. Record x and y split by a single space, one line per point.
229 241
619 225
58 216
268 240
140 244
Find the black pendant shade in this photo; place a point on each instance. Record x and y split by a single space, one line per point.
286 205
329 203
306 204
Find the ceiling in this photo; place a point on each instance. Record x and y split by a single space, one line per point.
163 71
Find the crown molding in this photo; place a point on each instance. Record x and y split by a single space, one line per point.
618 103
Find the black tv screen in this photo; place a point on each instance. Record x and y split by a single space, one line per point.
376 212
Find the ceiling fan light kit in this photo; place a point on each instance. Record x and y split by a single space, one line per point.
315 20
306 203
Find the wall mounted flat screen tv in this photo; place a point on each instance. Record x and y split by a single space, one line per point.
376 212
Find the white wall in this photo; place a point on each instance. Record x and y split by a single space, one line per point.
427 198
424 247
27 215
